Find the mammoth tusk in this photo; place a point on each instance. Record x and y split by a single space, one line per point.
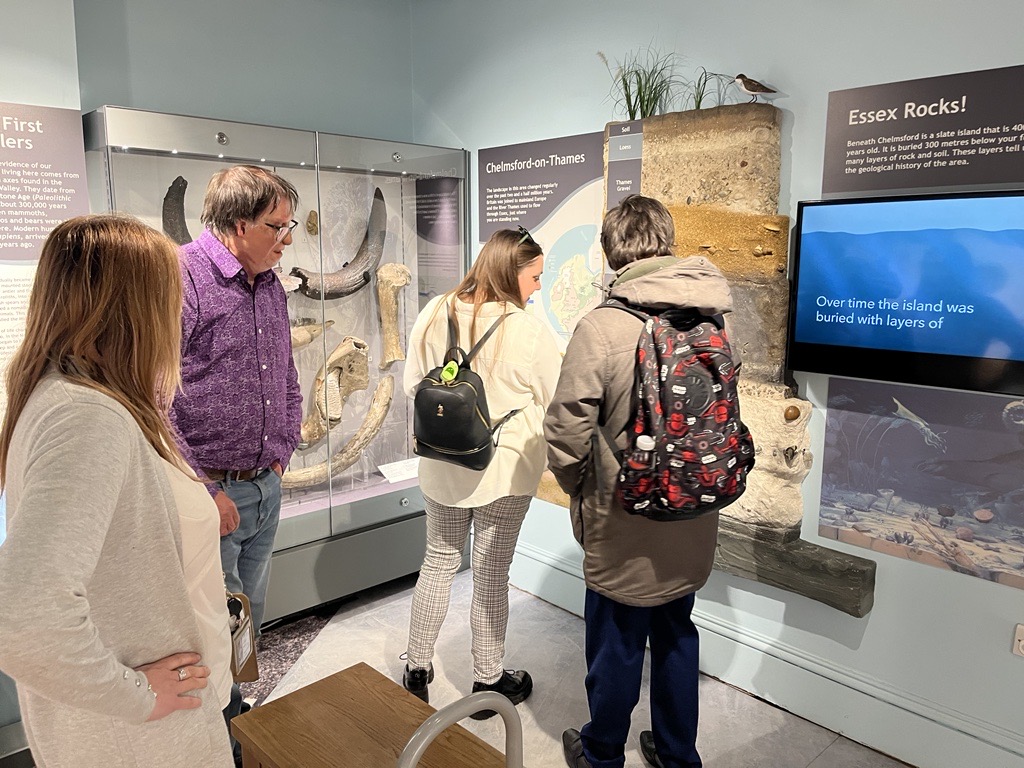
307 329
173 214
346 371
391 278
355 273
347 456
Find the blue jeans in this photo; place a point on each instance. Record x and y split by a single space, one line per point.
617 636
245 553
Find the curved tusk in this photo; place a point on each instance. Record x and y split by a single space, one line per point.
347 456
356 273
173 213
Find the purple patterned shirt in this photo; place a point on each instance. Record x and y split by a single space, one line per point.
240 406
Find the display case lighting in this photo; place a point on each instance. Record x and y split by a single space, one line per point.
302 163
220 155
124 147
174 151
263 159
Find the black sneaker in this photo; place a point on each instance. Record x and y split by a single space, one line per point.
416 679
516 686
572 748
647 749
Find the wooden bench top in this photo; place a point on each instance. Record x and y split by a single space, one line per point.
356 718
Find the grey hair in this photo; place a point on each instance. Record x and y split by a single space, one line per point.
243 193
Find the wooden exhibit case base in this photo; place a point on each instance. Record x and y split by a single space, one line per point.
354 718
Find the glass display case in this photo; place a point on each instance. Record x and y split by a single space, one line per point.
382 229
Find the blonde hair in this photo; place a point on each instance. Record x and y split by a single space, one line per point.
105 311
494 276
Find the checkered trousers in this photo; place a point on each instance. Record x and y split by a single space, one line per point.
495 531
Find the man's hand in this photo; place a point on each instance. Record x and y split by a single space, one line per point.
276 466
228 513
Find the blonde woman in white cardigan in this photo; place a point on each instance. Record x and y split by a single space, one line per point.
113 621
519 367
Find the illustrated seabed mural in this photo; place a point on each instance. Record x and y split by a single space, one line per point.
933 476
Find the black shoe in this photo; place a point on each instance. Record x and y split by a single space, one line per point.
572 748
647 749
516 686
416 679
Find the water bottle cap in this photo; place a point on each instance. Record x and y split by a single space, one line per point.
645 443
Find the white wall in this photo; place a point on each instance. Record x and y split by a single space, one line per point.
339 66
928 675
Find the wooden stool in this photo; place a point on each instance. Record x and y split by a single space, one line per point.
356 718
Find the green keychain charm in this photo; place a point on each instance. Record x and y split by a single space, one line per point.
449 372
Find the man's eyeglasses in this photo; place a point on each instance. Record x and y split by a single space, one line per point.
282 231
525 236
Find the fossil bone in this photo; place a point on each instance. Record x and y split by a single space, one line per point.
313 223
356 273
307 329
345 372
173 213
391 278
347 456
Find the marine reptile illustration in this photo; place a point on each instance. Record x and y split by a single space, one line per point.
356 273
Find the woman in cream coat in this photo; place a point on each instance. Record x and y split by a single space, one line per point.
113 620
519 367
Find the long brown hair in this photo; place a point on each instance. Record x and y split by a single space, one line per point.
494 275
105 311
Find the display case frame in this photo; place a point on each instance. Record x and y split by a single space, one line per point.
362 524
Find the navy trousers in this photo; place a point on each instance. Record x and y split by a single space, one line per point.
617 637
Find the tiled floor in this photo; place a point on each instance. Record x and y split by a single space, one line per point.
736 730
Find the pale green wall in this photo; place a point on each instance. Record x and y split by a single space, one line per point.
339 66
928 675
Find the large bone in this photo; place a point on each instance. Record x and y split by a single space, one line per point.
391 278
305 330
346 371
347 456
356 273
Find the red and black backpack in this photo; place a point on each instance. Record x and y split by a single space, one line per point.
686 402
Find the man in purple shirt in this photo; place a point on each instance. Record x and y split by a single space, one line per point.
240 406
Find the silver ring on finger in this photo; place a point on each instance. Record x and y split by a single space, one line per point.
182 674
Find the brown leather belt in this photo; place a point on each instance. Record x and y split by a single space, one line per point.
236 475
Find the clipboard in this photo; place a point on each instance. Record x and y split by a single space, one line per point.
244 668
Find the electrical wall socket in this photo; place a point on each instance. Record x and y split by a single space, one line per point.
1018 640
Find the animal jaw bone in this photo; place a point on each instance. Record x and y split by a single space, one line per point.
346 371
356 273
305 330
347 456
391 278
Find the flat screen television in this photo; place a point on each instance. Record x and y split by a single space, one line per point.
924 289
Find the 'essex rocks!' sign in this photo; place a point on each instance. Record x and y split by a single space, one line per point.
957 130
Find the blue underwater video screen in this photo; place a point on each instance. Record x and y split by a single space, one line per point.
924 290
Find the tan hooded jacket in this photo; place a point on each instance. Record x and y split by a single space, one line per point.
627 558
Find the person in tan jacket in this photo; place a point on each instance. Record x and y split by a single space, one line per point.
640 574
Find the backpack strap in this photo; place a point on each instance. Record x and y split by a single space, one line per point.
453 348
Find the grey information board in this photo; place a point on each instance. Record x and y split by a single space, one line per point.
940 132
42 176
